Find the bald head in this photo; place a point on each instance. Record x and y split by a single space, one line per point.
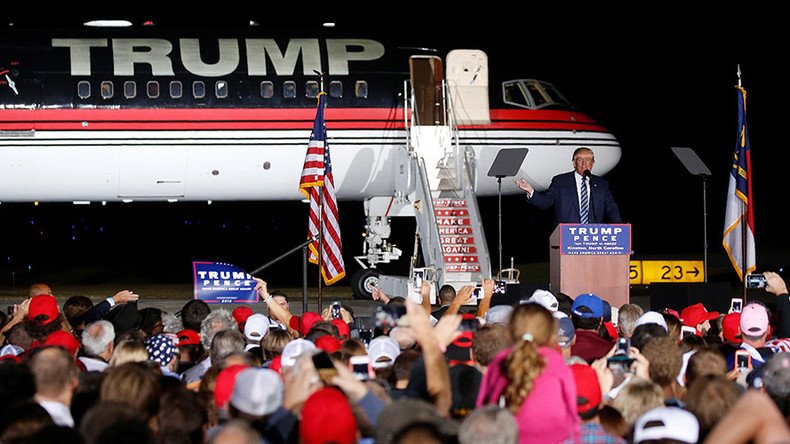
37 289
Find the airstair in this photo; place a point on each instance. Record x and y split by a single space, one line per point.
449 226
435 185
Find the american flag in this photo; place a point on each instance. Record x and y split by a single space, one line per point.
317 174
740 206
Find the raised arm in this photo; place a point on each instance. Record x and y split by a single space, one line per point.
277 311
437 374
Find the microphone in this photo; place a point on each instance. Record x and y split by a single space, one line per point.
588 175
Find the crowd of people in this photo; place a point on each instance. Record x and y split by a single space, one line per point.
548 369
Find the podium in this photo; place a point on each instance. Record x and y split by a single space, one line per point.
591 258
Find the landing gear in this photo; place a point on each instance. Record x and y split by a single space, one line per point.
364 282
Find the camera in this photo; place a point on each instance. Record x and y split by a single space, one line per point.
623 346
619 364
736 304
687 331
418 275
361 368
336 310
326 370
755 280
742 359
469 325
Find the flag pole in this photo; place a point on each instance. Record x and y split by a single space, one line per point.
744 218
320 246
321 213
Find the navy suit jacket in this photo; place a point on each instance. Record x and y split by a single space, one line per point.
563 195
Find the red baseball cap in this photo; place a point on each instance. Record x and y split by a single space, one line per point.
188 337
343 330
731 328
327 417
328 343
63 339
223 387
304 323
240 314
588 390
696 314
43 305
11 358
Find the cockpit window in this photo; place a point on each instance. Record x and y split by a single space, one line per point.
514 95
533 94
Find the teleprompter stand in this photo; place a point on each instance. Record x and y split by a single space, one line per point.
695 166
506 164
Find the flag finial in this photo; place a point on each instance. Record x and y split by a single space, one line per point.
739 74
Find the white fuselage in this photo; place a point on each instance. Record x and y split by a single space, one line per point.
96 165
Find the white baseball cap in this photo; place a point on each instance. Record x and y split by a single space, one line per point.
546 299
256 327
294 349
257 391
499 314
667 423
383 346
652 317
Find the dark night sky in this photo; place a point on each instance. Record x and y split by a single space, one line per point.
653 87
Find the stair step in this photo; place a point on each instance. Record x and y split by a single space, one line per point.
445 173
447 185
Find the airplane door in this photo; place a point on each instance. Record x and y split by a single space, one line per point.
467 81
155 171
427 74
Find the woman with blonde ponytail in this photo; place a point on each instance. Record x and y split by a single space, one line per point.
532 381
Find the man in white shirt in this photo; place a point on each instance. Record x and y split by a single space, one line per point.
55 374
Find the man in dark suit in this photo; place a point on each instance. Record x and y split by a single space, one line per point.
567 193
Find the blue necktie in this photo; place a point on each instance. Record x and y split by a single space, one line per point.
585 207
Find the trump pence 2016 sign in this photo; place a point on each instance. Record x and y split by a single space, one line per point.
595 239
222 283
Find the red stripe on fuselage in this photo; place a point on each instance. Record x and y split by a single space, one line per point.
268 119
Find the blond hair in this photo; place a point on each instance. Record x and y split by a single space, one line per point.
636 398
531 326
128 351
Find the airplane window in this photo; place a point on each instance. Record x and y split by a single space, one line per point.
198 89
311 89
336 89
152 88
289 90
129 89
176 89
221 89
514 95
83 89
538 95
555 94
267 89
106 90
361 89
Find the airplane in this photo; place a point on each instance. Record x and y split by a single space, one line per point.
143 113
